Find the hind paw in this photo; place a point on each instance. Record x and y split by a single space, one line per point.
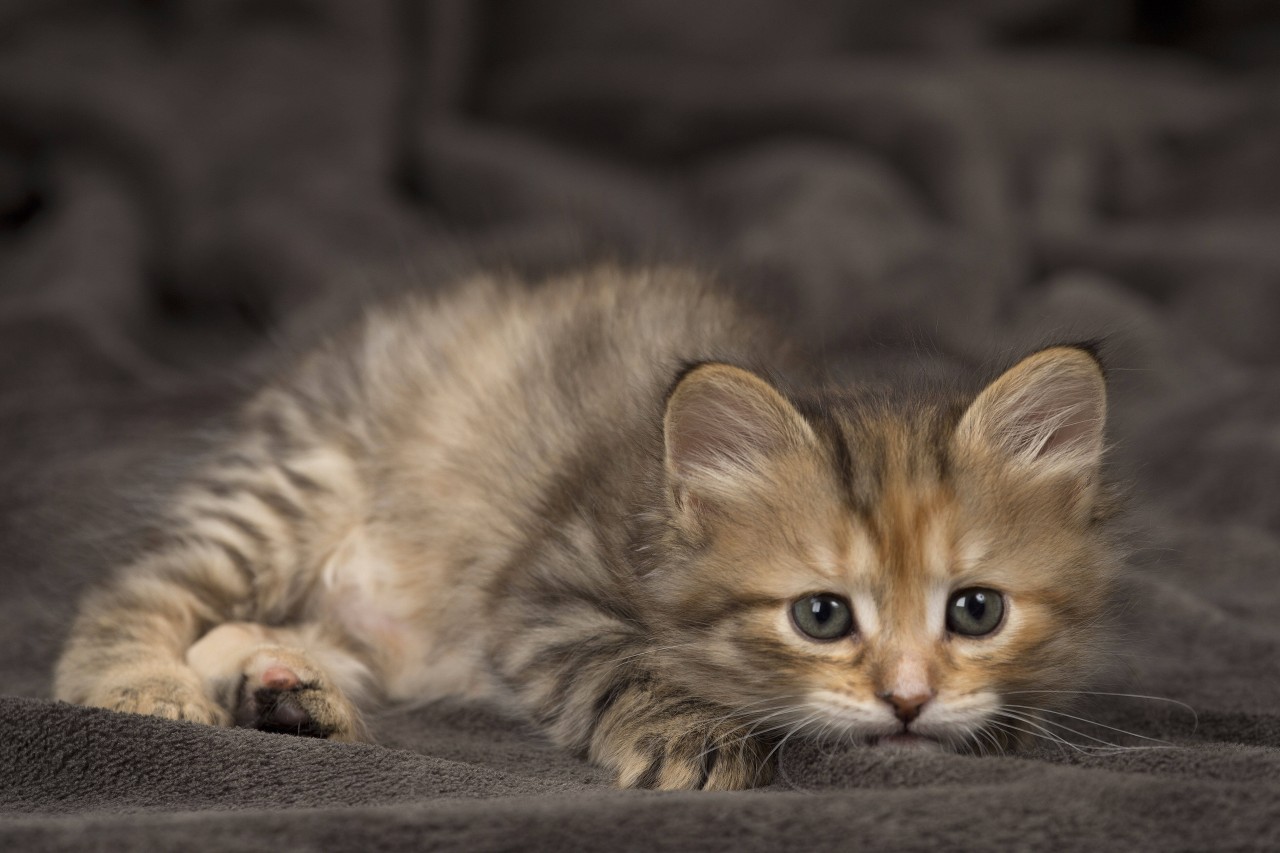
281 691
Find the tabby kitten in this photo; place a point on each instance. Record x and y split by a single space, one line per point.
591 501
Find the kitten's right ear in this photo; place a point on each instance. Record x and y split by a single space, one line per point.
722 426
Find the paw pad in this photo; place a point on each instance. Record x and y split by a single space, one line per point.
280 678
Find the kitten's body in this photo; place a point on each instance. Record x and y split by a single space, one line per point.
499 495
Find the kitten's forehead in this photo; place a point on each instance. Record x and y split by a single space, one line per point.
902 538
890 453
896 473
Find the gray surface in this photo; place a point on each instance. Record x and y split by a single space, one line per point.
943 183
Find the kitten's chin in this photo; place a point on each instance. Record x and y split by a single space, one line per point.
906 741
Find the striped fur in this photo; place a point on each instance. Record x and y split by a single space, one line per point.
585 500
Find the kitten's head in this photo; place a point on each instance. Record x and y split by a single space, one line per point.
919 573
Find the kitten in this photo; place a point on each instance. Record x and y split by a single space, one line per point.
591 500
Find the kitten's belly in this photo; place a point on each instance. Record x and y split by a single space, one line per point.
406 616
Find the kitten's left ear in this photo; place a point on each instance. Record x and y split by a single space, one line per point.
1046 413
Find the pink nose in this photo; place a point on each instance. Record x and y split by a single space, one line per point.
906 708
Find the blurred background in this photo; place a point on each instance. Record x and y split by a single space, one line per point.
182 181
178 176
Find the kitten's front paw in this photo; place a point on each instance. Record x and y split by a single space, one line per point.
281 691
160 695
683 751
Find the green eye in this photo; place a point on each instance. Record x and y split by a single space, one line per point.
975 612
823 616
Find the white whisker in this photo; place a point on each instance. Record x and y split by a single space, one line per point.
1086 720
1044 735
1122 695
798 726
1048 734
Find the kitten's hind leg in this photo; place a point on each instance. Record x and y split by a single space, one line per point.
286 680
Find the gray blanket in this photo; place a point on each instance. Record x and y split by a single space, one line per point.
186 187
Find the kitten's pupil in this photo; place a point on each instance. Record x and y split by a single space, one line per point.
823 616
974 612
822 610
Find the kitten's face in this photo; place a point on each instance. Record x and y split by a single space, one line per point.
890 577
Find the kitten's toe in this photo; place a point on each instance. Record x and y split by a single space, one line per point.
732 762
686 753
161 695
289 697
708 761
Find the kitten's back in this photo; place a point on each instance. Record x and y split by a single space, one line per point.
490 420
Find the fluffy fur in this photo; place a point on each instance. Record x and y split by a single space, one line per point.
597 500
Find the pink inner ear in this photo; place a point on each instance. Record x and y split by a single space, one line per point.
718 427
1078 419
1077 430
1059 414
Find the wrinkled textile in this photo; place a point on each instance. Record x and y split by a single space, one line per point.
187 188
